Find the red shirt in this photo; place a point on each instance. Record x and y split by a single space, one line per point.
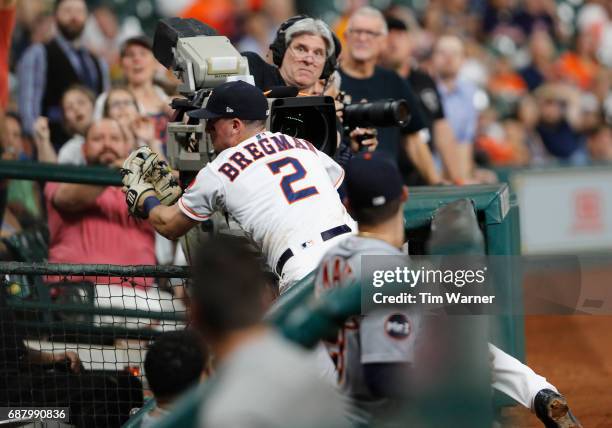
104 234
7 21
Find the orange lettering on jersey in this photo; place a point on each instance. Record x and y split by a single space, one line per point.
241 160
265 145
254 151
325 280
229 171
281 142
335 272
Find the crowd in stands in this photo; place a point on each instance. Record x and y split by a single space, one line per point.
517 83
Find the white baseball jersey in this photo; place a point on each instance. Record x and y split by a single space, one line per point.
381 336
281 190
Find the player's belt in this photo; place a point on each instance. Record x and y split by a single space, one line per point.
326 235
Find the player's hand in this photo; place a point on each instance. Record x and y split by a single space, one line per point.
363 139
72 358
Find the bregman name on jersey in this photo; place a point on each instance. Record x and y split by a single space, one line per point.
264 146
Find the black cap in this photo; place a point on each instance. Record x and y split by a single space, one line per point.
234 99
142 40
372 180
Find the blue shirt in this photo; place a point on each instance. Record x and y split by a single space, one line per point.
460 110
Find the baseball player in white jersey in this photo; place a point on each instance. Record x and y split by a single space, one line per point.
374 351
281 190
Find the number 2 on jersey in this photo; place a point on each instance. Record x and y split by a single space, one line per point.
291 194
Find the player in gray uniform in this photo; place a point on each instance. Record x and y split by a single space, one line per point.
373 353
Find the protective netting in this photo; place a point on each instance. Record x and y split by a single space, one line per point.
76 335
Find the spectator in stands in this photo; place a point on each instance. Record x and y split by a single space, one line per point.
398 56
258 34
497 19
175 362
505 84
541 66
46 71
536 14
7 22
105 32
366 37
34 378
121 105
139 67
262 379
521 130
580 65
77 107
457 99
89 224
24 204
559 125
599 144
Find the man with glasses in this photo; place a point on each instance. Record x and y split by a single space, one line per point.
362 79
304 52
300 51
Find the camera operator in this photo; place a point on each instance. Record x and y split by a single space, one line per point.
305 52
363 79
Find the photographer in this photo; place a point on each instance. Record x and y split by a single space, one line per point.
305 52
363 79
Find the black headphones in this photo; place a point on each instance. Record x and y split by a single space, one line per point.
279 47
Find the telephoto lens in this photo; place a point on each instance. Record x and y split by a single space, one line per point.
378 114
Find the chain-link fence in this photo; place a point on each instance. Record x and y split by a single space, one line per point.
75 336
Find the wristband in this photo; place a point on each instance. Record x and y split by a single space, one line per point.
150 203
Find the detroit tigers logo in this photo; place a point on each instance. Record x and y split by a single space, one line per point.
397 326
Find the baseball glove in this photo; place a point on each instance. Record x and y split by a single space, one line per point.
145 166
